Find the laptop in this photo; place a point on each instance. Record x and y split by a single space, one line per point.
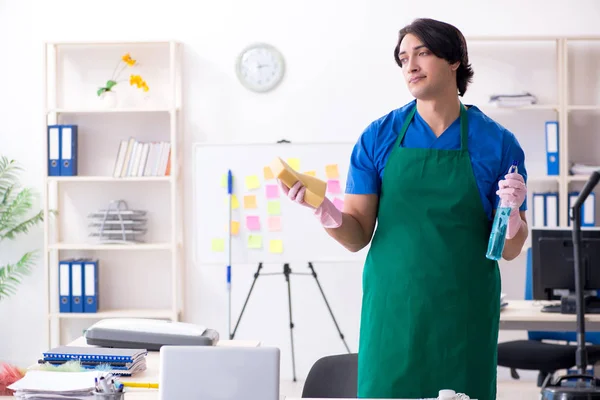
219 373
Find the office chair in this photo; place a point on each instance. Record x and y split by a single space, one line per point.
537 355
333 377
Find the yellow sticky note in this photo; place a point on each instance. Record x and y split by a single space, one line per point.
276 246
224 181
331 171
294 163
311 173
252 182
268 173
254 241
218 245
234 201
250 201
235 227
274 207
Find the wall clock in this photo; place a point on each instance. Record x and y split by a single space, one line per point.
260 67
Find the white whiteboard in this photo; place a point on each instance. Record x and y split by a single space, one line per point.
295 234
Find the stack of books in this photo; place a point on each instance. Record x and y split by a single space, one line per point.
142 159
122 362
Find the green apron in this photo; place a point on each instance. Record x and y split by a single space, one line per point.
431 299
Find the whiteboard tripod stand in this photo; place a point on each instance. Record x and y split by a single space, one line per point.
287 271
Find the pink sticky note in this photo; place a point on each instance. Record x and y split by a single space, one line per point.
338 203
272 192
333 186
274 224
253 222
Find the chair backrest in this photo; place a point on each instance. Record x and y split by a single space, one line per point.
590 337
333 377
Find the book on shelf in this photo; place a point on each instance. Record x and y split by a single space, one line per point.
135 158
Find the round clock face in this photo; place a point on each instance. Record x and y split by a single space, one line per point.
260 67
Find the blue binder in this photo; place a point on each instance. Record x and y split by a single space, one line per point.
54 149
552 147
90 292
64 286
68 152
588 210
539 210
77 286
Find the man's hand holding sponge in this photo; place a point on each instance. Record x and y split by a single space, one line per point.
308 191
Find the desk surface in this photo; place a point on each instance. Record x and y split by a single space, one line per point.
528 315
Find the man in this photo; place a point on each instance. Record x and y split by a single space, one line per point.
431 173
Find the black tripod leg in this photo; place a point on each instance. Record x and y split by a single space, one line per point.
314 274
286 272
247 298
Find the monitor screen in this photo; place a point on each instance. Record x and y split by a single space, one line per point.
553 267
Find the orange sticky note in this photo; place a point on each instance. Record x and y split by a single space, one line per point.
250 201
331 171
268 173
235 227
311 173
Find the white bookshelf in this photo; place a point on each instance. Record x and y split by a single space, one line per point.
566 97
72 72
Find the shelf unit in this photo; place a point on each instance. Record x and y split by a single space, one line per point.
60 108
563 107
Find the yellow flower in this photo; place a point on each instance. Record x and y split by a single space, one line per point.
145 87
135 80
127 59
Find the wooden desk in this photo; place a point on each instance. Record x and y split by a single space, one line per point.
527 315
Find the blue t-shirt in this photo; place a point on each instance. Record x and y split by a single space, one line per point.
491 146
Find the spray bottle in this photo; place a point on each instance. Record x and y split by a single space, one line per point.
500 225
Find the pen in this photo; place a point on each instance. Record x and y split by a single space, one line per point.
141 384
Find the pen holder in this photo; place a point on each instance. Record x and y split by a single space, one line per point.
109 396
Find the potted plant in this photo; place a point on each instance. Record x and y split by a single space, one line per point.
15 219
107 93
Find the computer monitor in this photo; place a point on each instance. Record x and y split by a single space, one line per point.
553 268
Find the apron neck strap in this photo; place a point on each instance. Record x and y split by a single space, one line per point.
464 127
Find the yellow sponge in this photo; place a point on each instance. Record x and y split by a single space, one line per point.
315 188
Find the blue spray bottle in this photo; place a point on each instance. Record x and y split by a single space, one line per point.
498 234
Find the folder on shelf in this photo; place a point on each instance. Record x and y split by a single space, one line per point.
539 210
552 148
64 286
54 150
68 154
588 210
551 204
77 286
90 280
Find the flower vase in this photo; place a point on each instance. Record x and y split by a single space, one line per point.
109 99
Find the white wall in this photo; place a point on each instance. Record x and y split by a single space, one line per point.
341 75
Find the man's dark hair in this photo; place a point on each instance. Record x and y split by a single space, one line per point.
443 40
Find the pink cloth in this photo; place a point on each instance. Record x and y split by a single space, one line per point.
512 190
327 213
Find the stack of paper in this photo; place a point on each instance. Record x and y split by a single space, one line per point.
583 169
513 100
55 385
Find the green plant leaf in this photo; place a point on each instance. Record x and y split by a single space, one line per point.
100 91
12 274
23 227
110 84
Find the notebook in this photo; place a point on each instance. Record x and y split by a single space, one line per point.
102 354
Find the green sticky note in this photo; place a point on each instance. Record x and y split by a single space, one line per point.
218 245
274 207
254 241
